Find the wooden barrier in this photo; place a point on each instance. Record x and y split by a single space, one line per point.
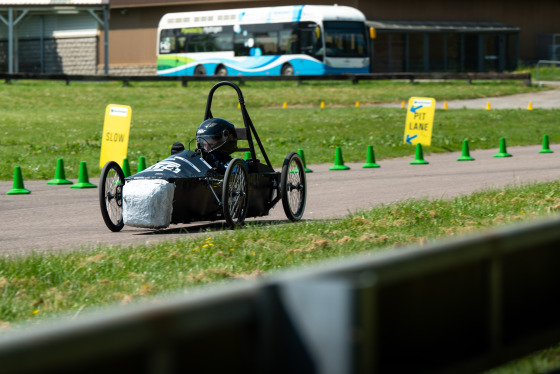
354 78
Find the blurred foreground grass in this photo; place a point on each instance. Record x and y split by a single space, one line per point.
42 121
42 285
67 281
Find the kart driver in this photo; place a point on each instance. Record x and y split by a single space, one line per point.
216 140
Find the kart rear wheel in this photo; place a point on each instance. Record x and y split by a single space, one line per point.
110 195
235 193
293 187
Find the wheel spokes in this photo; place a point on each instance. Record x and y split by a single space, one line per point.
294 187
237 194
113 196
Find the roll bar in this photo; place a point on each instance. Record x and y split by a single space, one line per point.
249 127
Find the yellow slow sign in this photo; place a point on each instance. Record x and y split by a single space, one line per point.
114 144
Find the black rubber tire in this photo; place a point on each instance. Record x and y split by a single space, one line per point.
235 193
110 195
200 70
221 71
293 187
287 70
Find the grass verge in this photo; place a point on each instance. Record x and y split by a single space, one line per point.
47 120
545 72
38 286
43 121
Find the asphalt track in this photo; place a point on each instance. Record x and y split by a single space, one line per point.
57 217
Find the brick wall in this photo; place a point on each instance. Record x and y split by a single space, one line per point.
128 69
68 56
65 56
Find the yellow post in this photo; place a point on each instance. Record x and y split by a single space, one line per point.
285 105
357 104
445 105
488 106
322 105
530 107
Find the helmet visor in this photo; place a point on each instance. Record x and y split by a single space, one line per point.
209 142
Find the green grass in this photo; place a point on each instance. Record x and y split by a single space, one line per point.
39 284
546 72
545 361
42 121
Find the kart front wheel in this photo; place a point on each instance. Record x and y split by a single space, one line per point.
293 187
110 195
235 193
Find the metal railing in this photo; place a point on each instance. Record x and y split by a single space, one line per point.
354 78
539 74
458 306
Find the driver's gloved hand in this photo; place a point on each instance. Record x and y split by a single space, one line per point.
177 148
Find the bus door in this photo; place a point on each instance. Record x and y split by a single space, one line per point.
311 40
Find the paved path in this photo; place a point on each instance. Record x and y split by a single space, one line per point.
540 100
57 217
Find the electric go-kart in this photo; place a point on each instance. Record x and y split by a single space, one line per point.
185 188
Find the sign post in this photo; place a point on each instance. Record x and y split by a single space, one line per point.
419 121
116 129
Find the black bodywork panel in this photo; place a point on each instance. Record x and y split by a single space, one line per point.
198 187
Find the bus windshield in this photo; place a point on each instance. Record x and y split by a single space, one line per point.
345 39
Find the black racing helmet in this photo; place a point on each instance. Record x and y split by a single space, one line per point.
216 135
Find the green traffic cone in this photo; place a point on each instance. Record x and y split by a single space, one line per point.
370 158
247 156
18 188
545 145
419 159
302 155
126 168
59 174
465 156
338 161
83 178
141 164
503 151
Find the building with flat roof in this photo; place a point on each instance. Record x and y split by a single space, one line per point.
433 35
52 36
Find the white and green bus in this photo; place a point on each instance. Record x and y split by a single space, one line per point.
284 40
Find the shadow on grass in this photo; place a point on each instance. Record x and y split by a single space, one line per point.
199 228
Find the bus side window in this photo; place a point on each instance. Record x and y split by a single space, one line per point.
181 46
267 42
224 41
243 42
288 43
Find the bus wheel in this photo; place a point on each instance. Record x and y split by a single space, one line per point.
200 70
221 70
287 69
